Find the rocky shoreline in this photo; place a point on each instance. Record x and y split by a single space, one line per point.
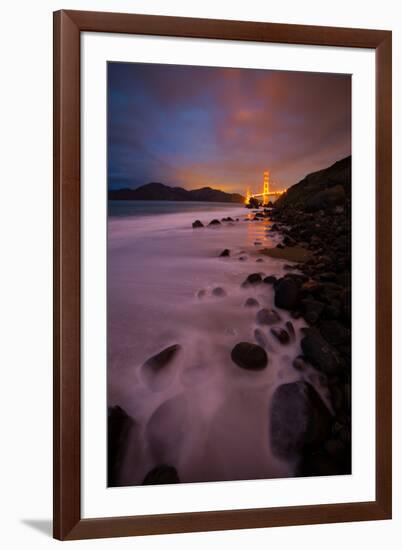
313 221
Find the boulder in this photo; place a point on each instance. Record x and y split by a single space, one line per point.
281 335
251 302
300 363
214 222
119 425
320 353
287 293
267 317
158 372
335 333
225 253
270 280
249 356
252 279
197 223
219 291
312 310
299 420
289 241
291 330
162 358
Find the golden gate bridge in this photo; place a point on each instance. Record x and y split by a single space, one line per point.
266 192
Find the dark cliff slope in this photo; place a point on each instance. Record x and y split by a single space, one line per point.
319 190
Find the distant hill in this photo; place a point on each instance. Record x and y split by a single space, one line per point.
161 192
319 190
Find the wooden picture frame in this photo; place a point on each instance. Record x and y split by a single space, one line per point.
68 26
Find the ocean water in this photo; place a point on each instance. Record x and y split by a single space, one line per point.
201 414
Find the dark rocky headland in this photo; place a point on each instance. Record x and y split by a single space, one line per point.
314 217
156 191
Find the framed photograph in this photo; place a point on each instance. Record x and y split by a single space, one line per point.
222 269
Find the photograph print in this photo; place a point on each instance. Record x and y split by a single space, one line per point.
228 274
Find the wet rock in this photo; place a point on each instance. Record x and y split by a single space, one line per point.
312 310
259 260
281 335
291 330
270 280
311 286
334 447
320 464
161 475
157 371
219 292
258 243
337 392
347 305
289 241
287 293
242 258
320 354
225 253
327 277
253 279
332 311
280 246
345 435
201 293
249 356
197 223
214 222
119 425
267 317
299 421
300 363
251 302
335 333
162 358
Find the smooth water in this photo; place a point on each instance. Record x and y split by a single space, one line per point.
150 208
202 414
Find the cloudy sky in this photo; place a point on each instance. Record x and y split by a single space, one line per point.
200 126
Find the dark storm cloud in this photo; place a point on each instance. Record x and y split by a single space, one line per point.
197 126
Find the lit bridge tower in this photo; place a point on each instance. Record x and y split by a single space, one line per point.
266 188
266 194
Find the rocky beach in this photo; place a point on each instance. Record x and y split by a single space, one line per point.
229 339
